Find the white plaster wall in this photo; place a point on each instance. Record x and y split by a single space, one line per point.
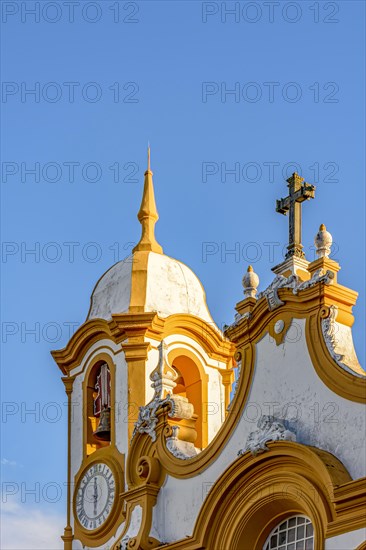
173 288
112 292
347 541
284 384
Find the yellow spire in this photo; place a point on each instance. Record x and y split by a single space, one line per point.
148 214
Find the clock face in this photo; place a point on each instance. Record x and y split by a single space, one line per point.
95 496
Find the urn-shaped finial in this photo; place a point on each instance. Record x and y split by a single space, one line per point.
323 242
250 283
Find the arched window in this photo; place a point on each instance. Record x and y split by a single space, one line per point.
189 384
98 407
294 533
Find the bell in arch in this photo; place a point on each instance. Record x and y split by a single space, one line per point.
102 404
103 432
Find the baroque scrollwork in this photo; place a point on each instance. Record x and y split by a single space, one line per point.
163 382
269 429
293 282
339 343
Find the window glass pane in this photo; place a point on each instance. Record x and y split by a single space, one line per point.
291 535
274 541
292 522
296 533
282 537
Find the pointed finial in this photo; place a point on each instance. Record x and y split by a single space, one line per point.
148 214
250 283
323 242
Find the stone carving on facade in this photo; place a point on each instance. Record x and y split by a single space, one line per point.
339 342
271 294
180 449
269 429
163 382
293 282
318 277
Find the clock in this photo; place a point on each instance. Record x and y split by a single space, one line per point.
95 496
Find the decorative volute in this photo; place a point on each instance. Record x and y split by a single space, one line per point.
148 215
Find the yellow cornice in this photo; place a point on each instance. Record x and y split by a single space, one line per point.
135 328
313 305
86 335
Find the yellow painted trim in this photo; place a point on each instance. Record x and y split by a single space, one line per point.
90 332
68 536
256 493
193 466
312 305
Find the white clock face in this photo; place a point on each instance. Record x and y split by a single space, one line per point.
95 496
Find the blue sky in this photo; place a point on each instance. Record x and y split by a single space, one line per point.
252 92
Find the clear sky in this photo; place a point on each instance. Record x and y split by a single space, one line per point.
229 102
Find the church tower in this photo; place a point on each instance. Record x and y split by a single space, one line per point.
148 339
168 449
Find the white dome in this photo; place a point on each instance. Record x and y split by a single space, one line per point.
171 288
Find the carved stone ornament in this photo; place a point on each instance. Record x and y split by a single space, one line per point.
180 449
271 292
339 342
163 381
269 429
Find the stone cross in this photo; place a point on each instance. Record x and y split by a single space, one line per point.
298 192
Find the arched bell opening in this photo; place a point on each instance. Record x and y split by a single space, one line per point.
191 382
98 407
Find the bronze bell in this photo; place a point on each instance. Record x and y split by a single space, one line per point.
103 432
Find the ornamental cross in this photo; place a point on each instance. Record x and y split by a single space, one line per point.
299 192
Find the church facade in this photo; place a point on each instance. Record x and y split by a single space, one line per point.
181 436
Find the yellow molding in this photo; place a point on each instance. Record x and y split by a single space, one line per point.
90 332
256 493
142 443
339 380
131 326
312 305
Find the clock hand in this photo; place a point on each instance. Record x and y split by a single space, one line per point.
95 496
